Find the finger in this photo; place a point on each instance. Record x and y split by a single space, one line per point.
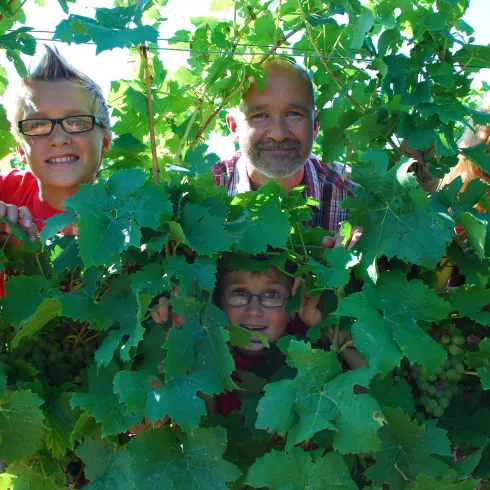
3 209
297 283
12 213
355 236
70 230
338 240
32 232
328 242
25 217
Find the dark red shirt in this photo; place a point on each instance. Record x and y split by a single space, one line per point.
228 401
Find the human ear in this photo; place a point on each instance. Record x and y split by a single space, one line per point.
22 155
106 144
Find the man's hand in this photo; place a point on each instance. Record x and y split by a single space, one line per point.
336 241
21 216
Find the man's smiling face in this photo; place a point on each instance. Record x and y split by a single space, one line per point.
276 128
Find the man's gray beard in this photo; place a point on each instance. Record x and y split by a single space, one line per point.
275 168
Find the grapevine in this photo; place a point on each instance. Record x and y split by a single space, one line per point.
94 394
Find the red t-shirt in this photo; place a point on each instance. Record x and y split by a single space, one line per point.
21 189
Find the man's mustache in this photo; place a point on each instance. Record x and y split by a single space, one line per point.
279 145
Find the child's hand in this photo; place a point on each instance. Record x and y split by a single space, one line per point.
309 312
160 316
21 215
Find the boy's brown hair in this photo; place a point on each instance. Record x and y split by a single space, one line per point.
53 67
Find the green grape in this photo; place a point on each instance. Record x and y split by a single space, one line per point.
54 348
77 379
459 368
432 378
424 400
423 386
458 340
397 378
445 339
438 411
451 374
444 402
448 393
439 394
420 416
440 371
431 404
432 390
422 378
446 364
455 350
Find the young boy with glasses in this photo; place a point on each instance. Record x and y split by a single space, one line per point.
62 121
257 302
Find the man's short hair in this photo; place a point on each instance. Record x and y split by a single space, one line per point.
53 67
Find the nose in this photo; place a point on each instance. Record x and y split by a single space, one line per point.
59 137
254 308
278 129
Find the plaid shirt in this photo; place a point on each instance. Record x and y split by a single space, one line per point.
328 184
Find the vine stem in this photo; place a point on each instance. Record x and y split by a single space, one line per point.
38 262
186 134
323 62
471 373
151 123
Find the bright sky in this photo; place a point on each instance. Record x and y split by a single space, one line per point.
112 65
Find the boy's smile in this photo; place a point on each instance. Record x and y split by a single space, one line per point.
61 161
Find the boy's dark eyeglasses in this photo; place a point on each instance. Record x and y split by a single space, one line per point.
242 298
40 126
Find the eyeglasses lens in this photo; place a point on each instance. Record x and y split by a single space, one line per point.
78 124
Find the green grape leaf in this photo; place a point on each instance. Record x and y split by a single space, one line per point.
192 277
106 465
48 309
101 402
451 482
180 400
121 319
296 470
395 214
160 461
55 224
133 387
32 477
105 38
407 451
15 308
470 301
336 272
3 384
321 397
394 395
255 230
481 362
201 341
21 425
196 222
387 322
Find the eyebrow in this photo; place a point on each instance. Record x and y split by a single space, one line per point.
41 114
268 283
292 105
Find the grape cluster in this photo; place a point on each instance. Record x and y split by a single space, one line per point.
59 355
437 390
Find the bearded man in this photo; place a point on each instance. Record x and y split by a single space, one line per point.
275 130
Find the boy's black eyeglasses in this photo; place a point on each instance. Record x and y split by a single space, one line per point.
242 298
40 126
